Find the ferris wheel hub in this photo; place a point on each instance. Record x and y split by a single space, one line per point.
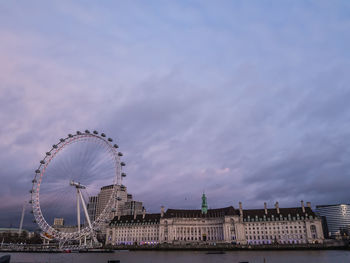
77 185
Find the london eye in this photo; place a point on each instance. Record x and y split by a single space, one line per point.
69 176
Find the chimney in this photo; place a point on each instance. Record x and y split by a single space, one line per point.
161 211
277 208
240 209
308 204
143 213
135 214
302 206
265 207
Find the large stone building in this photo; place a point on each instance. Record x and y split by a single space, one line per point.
298 225
131 229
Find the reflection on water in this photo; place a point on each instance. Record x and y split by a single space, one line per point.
337 256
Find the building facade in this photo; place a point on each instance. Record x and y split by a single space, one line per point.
125 205
134 229
337 218
298 225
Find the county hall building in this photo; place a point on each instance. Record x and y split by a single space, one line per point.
298 225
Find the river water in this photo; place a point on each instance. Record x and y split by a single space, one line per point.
303 256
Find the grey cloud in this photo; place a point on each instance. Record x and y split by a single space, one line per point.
243 111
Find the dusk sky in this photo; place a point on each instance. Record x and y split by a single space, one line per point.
245 100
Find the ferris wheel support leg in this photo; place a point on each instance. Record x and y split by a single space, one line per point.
61 244
78 212
87 216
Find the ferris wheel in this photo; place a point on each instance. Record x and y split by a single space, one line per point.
68 183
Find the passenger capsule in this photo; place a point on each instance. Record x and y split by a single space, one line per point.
103 135
116 146
110 139
61 140
95 132
122 164
31 211
34 181
87 131
70 135
78 132
120 154
30 201
42 162
31 191
38 171
54 146
48 153
123 174
119 198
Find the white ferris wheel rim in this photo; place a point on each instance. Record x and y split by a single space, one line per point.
40 173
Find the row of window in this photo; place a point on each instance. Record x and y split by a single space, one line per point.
266 242
282 227
136 239
276 232
274 237
264 219
137 230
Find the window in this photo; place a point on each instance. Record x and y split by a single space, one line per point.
313 231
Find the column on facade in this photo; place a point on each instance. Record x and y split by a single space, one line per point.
226 231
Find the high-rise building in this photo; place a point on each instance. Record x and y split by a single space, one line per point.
125 205
91 207
337 218
131 208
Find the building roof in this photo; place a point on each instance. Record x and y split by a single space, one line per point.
219 212
149 218
285 212
107 187
248 214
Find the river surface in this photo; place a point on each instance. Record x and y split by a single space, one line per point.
317 256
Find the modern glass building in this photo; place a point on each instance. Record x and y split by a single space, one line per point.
337 217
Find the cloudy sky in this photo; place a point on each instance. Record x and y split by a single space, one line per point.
246 100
